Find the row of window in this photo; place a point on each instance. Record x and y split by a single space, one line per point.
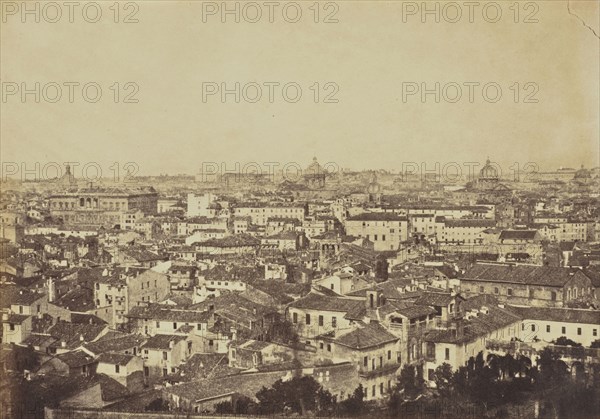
563 329
374 359
509 292
321 320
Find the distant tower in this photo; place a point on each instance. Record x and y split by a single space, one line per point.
374 190
67 180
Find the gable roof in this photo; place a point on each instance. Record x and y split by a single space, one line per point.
365 336
313 301
563 315
162 341
521 274
114 344
115 358
518 234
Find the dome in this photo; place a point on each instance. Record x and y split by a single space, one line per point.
314 168
582 173
488 171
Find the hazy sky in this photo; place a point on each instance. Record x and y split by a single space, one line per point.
370 55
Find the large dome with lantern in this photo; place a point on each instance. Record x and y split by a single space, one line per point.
488 172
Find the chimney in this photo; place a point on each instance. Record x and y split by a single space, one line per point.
63 344
171 344
372 299
81 339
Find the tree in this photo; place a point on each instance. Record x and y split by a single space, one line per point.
442 376
564 341
282 331
157 405
411 381
299 395
353 405
239 406
553 372
595 344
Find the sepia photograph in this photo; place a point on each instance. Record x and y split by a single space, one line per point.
300 209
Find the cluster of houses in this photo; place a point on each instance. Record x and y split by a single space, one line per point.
208 297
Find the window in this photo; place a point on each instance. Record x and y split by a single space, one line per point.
295 317
320 320
547 328
328 347
365 361
383 237
579 331
321 345
334 322
447 354
117 368
373 391
308 319
531 294
481 289
553 296
533 327
157 325
509 291
430 374
389 355
564 330
199 326
211 342
174 325
595 332
165 372
173 370
496 290
380 361
381 388
165 355
12 327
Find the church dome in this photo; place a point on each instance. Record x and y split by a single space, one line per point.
314 168
488 171
582 173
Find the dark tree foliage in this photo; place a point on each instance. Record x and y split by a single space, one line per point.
240 406
564 341
282 331
595 344
411 381
442 377
353 405
157 405
298 395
